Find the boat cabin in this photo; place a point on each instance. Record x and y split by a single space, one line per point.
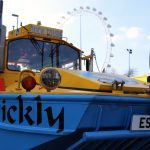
35 47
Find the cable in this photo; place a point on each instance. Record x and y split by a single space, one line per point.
94 56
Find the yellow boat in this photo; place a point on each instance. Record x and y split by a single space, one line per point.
48 102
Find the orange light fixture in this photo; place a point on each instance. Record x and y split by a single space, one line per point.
28 83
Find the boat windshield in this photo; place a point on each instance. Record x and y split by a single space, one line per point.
35 54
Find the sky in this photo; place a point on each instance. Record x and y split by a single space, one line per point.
129 20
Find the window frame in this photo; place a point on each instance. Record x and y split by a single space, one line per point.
57 52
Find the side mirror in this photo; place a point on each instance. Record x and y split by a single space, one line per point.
89 61
87 64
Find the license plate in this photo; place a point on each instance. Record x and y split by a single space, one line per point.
140 122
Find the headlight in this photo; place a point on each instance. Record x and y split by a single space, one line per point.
50 78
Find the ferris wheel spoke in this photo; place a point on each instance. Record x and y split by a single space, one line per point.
104 22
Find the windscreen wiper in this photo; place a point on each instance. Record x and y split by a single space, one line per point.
38 48
36 45
53 51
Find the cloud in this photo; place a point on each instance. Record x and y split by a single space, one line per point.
148 37
117 37
128 33
132 32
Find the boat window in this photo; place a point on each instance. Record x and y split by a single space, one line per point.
68 58
35 55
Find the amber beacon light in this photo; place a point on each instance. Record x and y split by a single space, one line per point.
50 78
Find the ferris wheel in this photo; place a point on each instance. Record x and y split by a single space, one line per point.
81 11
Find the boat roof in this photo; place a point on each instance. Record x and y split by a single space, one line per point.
36 30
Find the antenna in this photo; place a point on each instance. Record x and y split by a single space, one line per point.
17 16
